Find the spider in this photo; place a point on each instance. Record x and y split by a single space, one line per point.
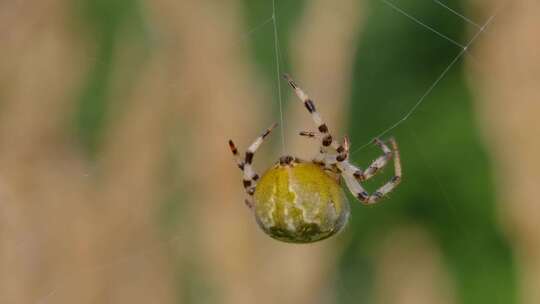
300 201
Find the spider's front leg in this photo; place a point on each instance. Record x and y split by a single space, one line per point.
350 173
250 178
326 138
323 157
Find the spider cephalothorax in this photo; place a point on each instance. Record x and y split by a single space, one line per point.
302 202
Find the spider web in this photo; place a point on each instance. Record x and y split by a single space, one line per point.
463 51
272 20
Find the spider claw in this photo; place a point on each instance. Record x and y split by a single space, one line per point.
346 144
269 130
289 80
393 142
307 134
378 142
233 148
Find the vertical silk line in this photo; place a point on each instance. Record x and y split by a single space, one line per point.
278 76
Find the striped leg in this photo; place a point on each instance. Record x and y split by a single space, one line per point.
348 173
377 164
323 157
249 177
326 139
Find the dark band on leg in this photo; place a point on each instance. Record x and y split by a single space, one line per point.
289 80
310 106
362 196
327 140
318 163
249 157
268 130
308 134
357 174
233 148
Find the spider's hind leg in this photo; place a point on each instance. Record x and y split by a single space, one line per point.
378 163
349 173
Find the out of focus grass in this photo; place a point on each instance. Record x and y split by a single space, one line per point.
110 24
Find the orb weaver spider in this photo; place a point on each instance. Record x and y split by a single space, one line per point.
302 202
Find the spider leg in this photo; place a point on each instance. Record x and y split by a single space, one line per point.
237 158
323 157
309 134
326 139
348 173
318 136
378 163
250 178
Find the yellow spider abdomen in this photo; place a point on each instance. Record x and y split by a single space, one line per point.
300 203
